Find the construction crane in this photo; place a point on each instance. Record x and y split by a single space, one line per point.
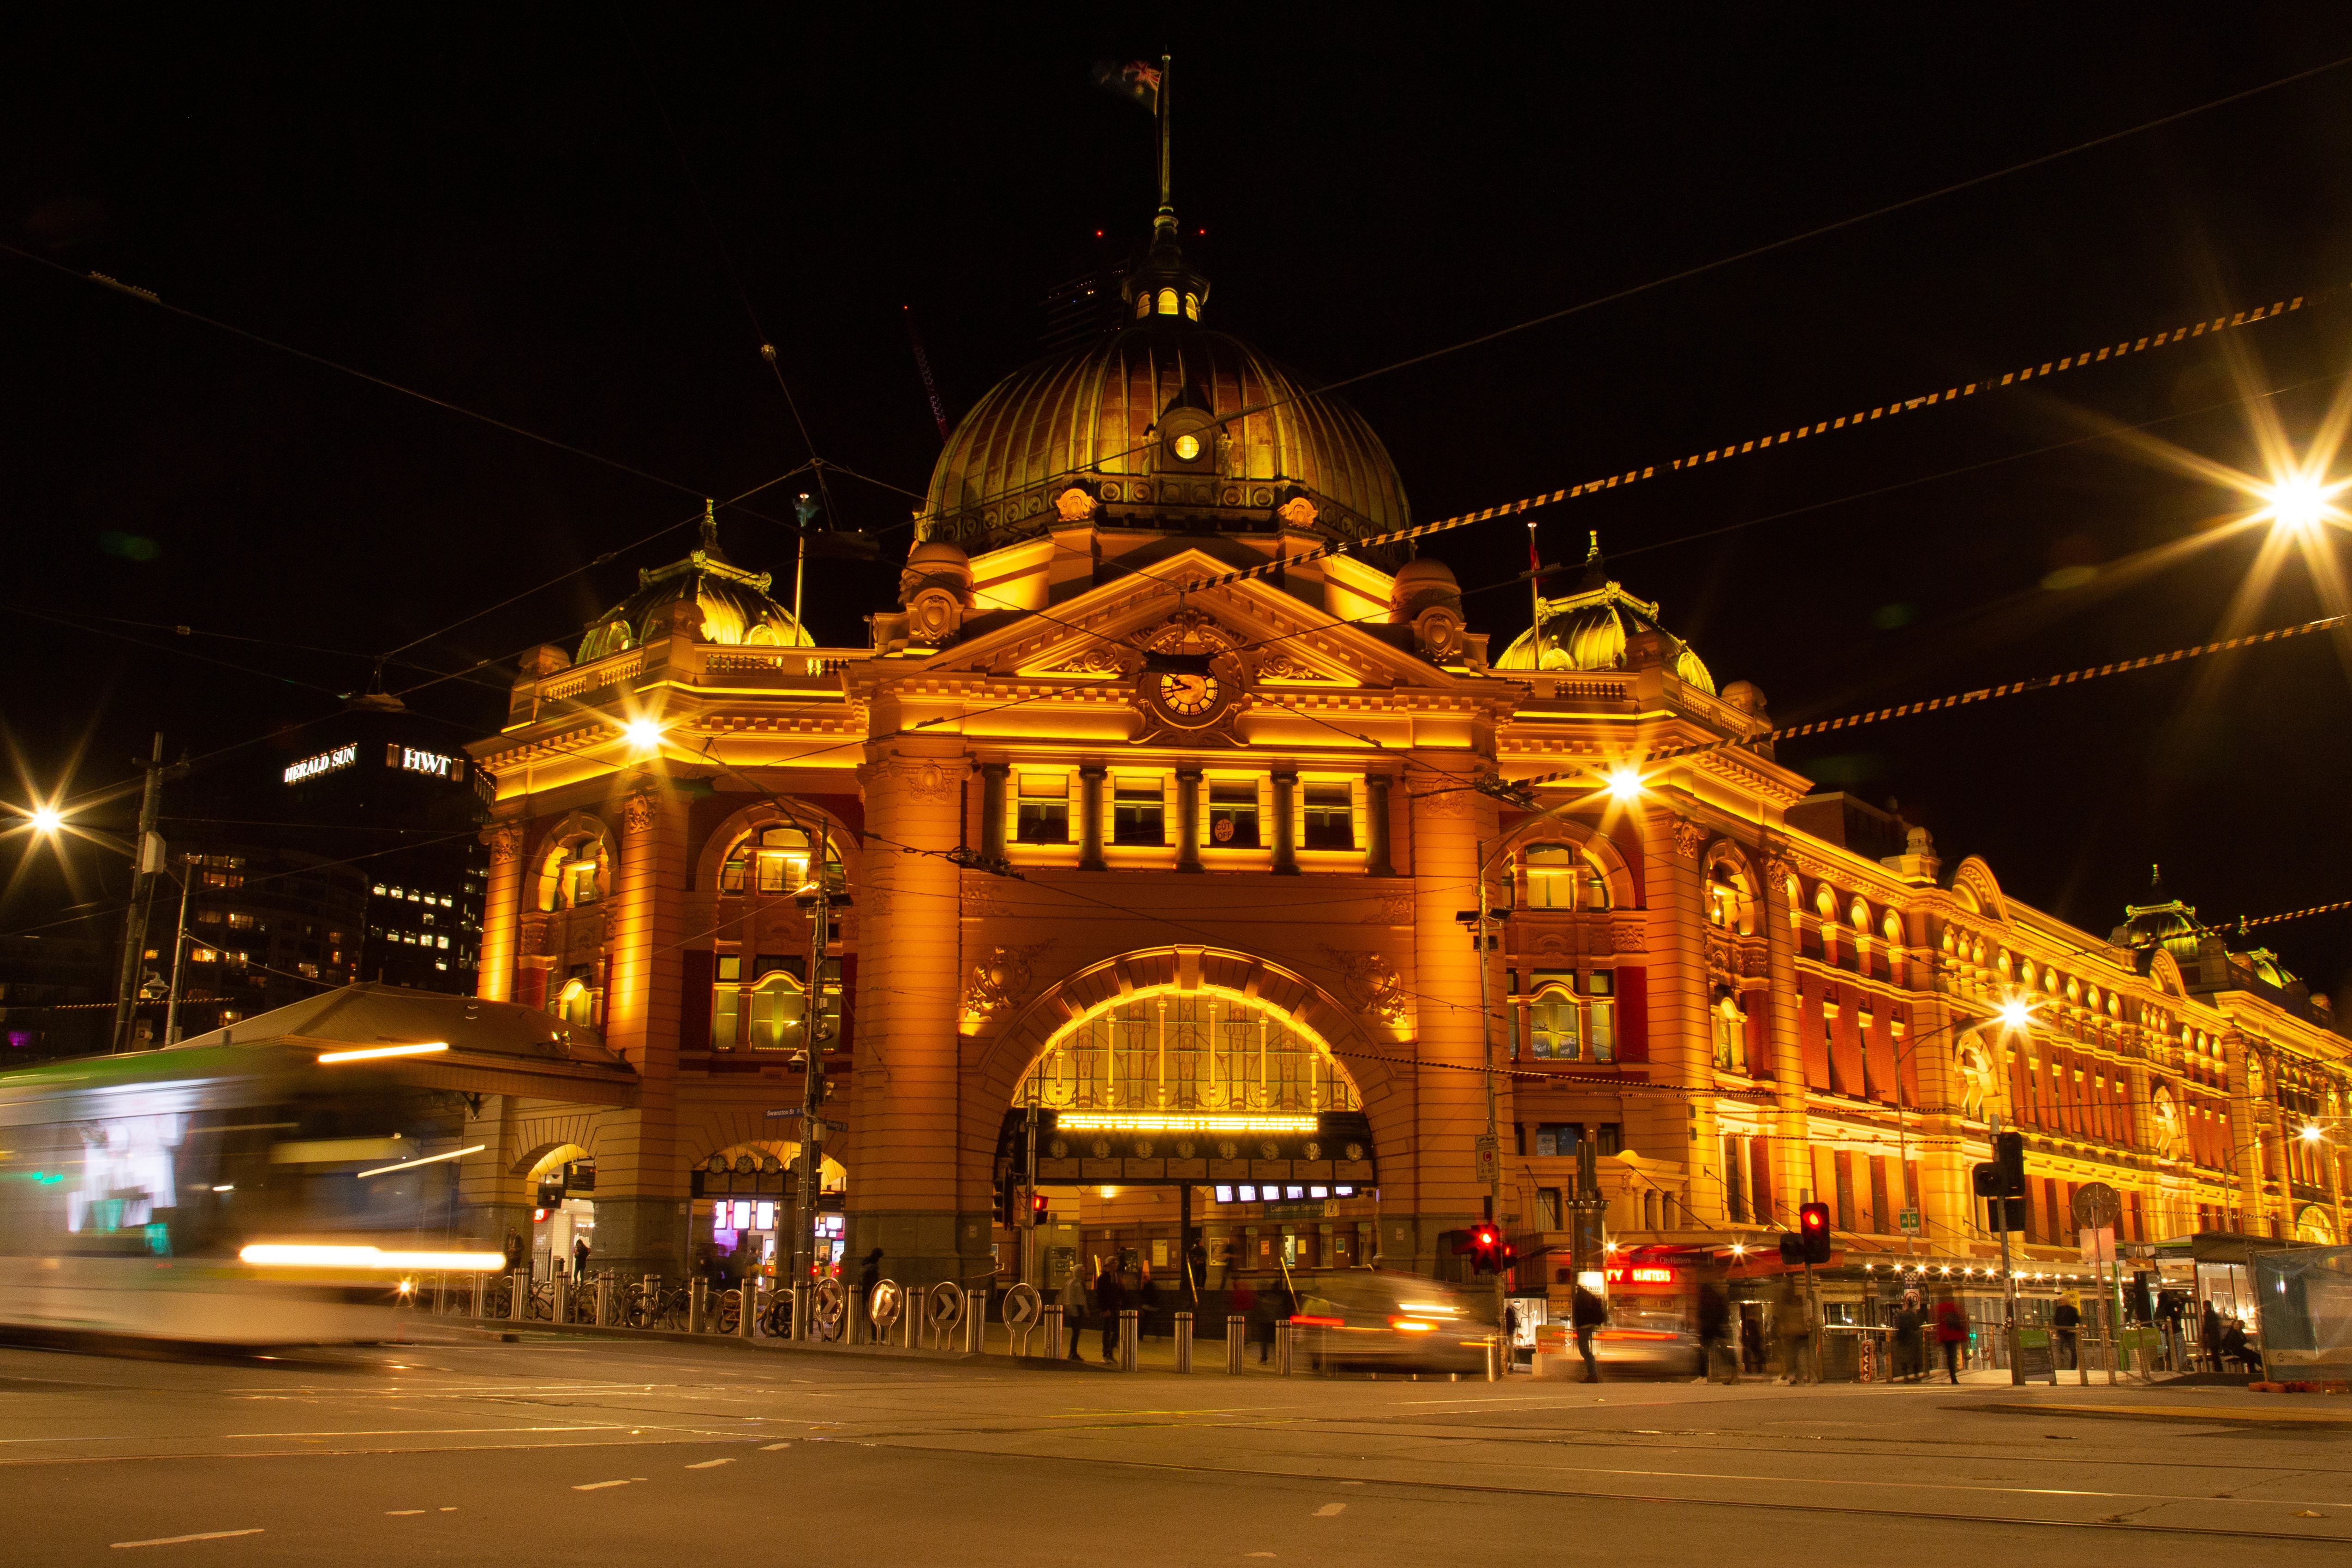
923 363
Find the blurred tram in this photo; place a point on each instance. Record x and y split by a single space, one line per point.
225 1194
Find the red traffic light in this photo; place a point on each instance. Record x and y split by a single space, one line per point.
1814 1218
1485 1236
1038 1204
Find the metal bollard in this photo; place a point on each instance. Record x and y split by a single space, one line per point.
1130 1328
1183 1341
1049 1321
1282 1346
481 1287
1494 1359
651 1285
604 1289
521 1301
1237 1342
747 1310
797 1329
976 1323
856 1327
698 1307
911 1320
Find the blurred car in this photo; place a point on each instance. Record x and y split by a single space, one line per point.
1639 1340
1376 1320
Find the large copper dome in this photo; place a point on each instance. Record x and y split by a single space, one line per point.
1094 416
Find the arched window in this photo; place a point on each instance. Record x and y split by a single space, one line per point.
573 874
1167 303
1728 904
1826 902
1859 913
1559 877
580 1000
1206 1051
773 861
1563 1026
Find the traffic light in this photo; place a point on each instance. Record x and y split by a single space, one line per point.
1813 1226
2008 1158
1006 1194
1985 1178
1507 1259
1038 1205
1793 1248
1486 1248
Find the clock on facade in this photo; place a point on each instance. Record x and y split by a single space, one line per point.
1187 699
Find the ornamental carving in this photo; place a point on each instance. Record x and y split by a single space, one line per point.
1627 936
1282 667
505 841
924 780
1190 631
1396 908
1689 839
1297 511
1000 980
1448 800
641 810
1073 505
1369 985
1102 659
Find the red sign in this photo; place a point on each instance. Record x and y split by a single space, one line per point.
1638 1274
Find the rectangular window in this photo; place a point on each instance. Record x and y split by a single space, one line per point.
1608 1138
1553 1031
1730 1038
1546 1208
1232 815
1329 817
1601 1034
1044 809
1734 1179
1559 1137
1138 811
1552 877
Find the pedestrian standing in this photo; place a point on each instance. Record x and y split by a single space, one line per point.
514 1251
2208 1335
1241 1302
579 1259
1715 1334
1110 1295
1074 1308
1905 1324
1260 1322
1951 1331
1794 1318
1587 1314
869 1274
2067 1320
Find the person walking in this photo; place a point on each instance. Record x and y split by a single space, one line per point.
1951 1331
1793 1316
1073 1309
1586 1313
1715 1334
1110 1295
579 1259
2208 1335
514 1250
869 1274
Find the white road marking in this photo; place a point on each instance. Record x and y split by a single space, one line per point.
401 1512
709 1464
599 1486
772 1447
177 1540
1330 1510
448 1511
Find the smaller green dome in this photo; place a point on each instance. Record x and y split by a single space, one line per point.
735 606
1587 630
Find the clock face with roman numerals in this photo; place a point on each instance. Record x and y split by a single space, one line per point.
1187 700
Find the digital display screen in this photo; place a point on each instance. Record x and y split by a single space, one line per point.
742 1214
765 1217
1294 1194
1224 1194
1343 1192
1249 1194
1318 1192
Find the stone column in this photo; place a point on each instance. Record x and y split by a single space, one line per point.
1376 825
1285 821
903 1194
641 1184
1447 827
1679 1127
1091 816
502 912
991 809
1188 818
2246 1132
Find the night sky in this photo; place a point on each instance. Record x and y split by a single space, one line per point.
543 215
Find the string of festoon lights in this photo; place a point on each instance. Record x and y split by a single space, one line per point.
1830 424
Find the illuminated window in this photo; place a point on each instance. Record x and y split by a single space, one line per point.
1330 815
203 956
1233 814
1204 1052
1167 302
1600 1016
1143 305
1559 877
208 917
773 861
1555 1031
1192 306
1044 809
579 884
1731 1035
1138 809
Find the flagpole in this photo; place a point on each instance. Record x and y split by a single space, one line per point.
1167 204
1535 598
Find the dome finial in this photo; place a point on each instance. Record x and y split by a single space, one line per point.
1596 571
710 525
1165 223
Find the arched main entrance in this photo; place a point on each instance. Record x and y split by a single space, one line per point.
1187 1119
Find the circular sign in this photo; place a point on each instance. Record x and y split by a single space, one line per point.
943 1308
2097 1205
716 1164
1059 1148
832 1301
1310 1151
1269 1150
1228 1149
1102 1148
1355 1151
1184 1149
886 1303
1022 1305
1224 831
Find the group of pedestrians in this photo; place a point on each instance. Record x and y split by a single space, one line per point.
1911 1324
1100 1301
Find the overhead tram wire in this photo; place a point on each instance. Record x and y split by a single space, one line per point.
1702 268
150 297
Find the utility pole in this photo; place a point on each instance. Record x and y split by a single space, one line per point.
179 952
2007 1274
146 860
1491 1151
1029 1272
813 1035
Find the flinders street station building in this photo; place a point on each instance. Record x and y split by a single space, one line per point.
1164 830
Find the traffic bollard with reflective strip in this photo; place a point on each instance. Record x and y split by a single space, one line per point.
911 1320
518 1303
798 1328
1282 1347
1130 1328
976 1323
1494 1359
1049 1321
1183 1341
1237 1342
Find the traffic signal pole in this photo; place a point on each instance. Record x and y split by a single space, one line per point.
1486 1059
2008 1275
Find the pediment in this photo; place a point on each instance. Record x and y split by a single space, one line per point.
1103 634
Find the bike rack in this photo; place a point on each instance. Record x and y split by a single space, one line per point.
943 1308
884 1307
1024 1310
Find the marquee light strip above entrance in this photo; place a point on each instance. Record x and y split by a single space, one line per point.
1991 381
1157 1121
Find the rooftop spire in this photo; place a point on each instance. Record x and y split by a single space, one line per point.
709 525
1165 223
1596 571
